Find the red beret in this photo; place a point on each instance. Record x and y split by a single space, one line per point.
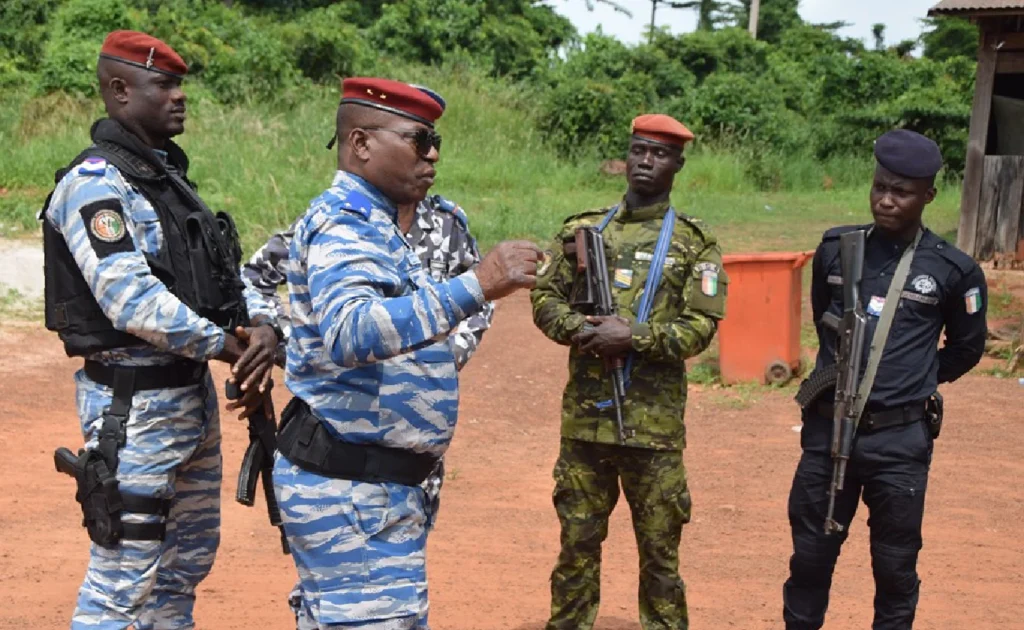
663 129
143 51
392 96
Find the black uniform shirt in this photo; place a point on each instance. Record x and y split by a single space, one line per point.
944 289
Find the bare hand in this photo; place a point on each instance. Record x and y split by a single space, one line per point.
233 349
256 364
252 401
607 336
511 265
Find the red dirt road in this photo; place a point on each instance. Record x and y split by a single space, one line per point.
497 535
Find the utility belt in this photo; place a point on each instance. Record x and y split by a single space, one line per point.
929 410
95 469
306 442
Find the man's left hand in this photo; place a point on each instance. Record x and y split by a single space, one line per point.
607 335
253 369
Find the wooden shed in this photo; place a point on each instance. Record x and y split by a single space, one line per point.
991 225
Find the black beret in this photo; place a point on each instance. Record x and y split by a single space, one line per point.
909 154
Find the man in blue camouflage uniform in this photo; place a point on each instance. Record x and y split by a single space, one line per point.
109 257
438 232
372 367
944 291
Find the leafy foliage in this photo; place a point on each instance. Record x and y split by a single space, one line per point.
797 91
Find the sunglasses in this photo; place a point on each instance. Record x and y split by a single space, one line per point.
423 139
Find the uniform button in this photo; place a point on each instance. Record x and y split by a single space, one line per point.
939 246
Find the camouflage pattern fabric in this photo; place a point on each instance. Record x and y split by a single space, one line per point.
439 236
687 306
360 550
173 443
369 352
586 491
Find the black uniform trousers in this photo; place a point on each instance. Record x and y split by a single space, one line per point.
889 467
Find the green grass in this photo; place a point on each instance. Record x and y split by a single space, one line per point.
265 161
17 307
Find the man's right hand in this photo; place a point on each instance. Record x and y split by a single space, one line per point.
233 349
511 265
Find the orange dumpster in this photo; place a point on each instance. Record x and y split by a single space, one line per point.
759 339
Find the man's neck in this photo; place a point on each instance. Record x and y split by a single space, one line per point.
634 200
406 215
140 133
904 236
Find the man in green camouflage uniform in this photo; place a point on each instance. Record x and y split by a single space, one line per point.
688 303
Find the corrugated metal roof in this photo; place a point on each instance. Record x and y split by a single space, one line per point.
976 6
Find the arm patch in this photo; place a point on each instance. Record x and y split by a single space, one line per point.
105 225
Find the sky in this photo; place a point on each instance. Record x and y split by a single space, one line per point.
901 17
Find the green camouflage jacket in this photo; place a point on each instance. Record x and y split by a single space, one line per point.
688 304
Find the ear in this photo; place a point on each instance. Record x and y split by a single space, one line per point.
680 162
359 141
929 195
119 90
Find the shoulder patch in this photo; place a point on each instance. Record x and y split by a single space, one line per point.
105 226
92 166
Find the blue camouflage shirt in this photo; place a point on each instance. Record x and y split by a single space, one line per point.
131 297
369 349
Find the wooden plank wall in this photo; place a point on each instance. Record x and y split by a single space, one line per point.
1001 203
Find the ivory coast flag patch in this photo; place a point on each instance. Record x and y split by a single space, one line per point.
972 299
709 283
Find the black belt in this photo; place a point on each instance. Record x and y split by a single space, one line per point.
179 374
882 418
306 442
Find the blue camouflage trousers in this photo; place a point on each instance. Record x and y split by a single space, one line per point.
172 451
359 548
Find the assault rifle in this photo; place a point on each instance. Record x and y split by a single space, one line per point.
258 461
594 297
850 331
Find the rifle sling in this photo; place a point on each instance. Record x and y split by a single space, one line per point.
653 273
878 339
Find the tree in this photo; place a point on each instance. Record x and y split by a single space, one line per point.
878 33
775 17
947 37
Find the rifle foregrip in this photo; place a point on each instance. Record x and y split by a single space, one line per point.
249 474
64 461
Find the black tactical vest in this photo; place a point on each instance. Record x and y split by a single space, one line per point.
198 261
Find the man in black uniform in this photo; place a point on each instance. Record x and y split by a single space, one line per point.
892 450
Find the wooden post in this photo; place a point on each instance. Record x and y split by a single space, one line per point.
974 170
755 11
1003 194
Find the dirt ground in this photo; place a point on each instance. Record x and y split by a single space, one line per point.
497 536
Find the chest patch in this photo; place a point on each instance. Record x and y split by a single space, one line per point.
623 278
925 284
875 305
648 257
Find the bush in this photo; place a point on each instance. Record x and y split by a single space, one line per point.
325 45
257 66
581 114
78 30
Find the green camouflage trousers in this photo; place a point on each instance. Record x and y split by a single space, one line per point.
587 478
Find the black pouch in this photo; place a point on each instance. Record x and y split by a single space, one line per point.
933 415
100 498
